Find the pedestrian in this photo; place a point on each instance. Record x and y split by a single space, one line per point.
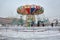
43 24
52 24
38 23
56 22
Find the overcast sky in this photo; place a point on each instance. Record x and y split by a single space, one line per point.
8 7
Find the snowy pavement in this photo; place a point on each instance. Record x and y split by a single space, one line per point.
43 35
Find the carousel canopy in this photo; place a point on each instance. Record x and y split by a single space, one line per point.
30 10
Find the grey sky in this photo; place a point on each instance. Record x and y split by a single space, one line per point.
8 7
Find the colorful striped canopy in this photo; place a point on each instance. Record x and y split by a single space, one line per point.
30 9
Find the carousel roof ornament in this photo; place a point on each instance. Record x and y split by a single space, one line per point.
30 10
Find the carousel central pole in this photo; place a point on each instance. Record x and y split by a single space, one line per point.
29 20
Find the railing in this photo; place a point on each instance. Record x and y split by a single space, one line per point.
29 29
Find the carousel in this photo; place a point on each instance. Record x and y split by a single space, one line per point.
30 11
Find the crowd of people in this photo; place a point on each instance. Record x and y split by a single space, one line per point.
41 23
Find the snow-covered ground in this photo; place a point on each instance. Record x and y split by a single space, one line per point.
45 33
